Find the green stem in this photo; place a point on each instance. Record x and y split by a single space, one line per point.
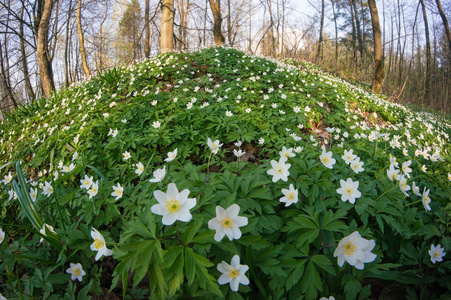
208 165
386 192
418 201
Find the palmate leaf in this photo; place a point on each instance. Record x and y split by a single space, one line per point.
196 266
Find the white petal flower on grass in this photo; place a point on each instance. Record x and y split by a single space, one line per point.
47 189
449 176
2 235
118 191
229 113
437 253
423 168
233 273
404 186
171 156
139 168
356 165
214 146
46 228
355 250
348 157
7 179
126 155
286 153
156 124
99 245
238 144
290 196
425 199
1 297
327 160
12 195
173 205
158 175
67 169
405 168
86 182
33 194
279 170
76 271
349 190
227 222
261 141
94 189
298 149
392 173
415 189
238 153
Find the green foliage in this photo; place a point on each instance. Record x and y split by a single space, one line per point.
178 101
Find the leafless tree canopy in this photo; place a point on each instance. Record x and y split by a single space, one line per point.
50 44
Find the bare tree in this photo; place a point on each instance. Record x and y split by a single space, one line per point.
167 26
378 55
215 6
428 53
445 22
81 40
42 24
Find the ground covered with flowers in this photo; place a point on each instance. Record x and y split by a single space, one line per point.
221 174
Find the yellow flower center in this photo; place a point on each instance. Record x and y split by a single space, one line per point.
173 205
98 244
87 182
214 145
348 191
234 273
93 190
118 192
227 222
436 254
350 248
326 159
290 196
76 271
427 199
278 170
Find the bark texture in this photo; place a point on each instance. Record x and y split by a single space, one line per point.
378 55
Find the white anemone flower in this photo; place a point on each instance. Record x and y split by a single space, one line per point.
7 179
233 273
158 175
76 272
279 170
286 153
139 168
46 228
392 173
47 189
2 235
227 222
118 191
349 190
33 194
356 165
214 146
238 153
348 156
94 189
126 155
238 144
99 245
290 196
173 205
327 160
437 253
404 186
355 250
426 199
405 168
86 182
416 189
67 169
171 156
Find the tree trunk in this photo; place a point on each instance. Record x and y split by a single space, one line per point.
4 80
147 29
378 54
215 6
229 23
23 53
66 46
445 22
359 30
167 26
100 54
42 51
428 54
81 40
353 31
336 33
320 41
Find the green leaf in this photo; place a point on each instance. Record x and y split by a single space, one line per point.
311 282
324 263
352 288
296 275
191 231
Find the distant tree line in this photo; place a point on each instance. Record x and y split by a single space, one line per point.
398 47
